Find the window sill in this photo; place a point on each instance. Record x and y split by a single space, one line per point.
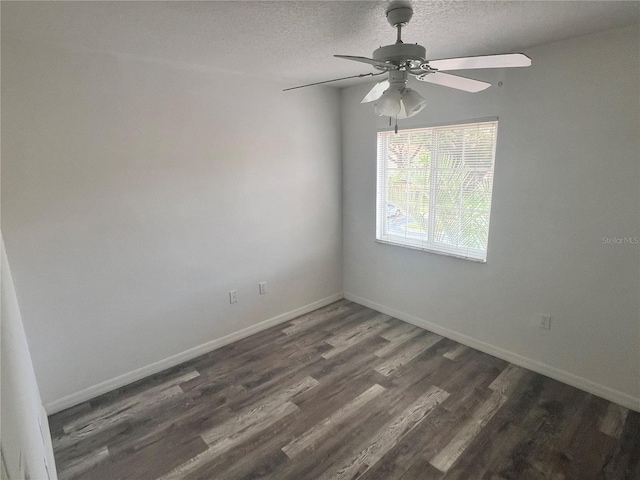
430 250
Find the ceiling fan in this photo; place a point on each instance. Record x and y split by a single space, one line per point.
392 97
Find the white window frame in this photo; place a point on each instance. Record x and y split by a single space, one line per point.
385 235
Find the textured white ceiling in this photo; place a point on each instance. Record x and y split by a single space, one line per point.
294 42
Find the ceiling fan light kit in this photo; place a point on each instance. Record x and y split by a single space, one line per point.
392 97
396 100
388 105
413 102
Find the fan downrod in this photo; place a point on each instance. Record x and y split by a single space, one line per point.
401 54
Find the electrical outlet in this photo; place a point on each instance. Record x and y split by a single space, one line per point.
263 287
233 296
545 322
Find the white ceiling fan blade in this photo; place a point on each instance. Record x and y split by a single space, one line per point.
370 61
506 60
454 81
376 92
334 80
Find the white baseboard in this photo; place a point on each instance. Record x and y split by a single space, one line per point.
582 383
172 361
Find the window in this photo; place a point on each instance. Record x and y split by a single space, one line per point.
434 188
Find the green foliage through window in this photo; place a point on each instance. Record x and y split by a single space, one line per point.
434 188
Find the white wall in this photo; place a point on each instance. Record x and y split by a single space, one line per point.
26 448
567 174
135 195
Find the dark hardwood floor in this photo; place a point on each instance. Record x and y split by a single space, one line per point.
342 393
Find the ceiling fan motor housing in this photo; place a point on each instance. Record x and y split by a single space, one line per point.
400 53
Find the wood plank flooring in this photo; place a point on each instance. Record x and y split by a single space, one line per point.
347 393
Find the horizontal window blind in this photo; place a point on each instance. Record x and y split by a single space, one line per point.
434 188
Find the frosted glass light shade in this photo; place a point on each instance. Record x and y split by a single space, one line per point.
388 104
413 102
403 113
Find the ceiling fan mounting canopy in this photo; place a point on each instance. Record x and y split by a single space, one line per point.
399 13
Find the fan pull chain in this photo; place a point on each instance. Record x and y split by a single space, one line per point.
396 124
389 121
